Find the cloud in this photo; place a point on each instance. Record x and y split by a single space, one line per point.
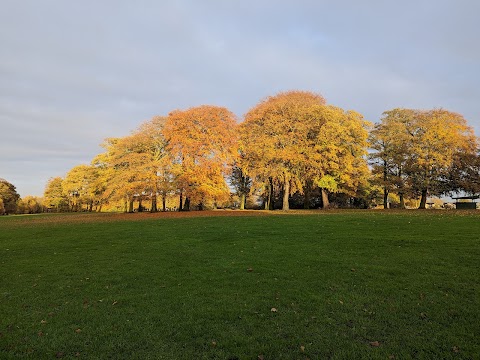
74 73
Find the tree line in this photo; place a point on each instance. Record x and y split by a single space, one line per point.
291 150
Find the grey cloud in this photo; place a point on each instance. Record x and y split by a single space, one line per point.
74 73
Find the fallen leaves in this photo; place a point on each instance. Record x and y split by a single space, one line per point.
273 310
250 269
78 331
374 343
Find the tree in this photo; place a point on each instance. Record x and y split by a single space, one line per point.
54 197
417 149
439 135
390 141
157 165
271 135
464 175
78 186
127 176
30 205
9 197
202 146
296 141
241 184
137 166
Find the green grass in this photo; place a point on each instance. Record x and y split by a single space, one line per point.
179 288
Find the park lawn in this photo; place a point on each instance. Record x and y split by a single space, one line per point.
339 285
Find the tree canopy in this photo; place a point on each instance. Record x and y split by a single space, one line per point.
295 140
292 147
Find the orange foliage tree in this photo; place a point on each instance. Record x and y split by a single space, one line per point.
202 146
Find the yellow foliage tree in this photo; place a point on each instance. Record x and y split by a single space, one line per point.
295 140
417 149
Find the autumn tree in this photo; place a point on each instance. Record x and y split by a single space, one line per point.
127 176
30 205
202 146
439 135
79 187
9 197
54 197
241 183
423 146
296 141
464 175
158 168
390 141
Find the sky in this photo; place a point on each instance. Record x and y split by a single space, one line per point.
73 73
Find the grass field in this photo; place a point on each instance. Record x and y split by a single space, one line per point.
319 285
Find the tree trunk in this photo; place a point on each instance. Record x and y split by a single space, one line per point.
423 200
130 205
402 200
164 202
385 190
242 202
186 206
325 202
271 201
286 194
180 205
154 203
306 198
100 207
385 197
140 207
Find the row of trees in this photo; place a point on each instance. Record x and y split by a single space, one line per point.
292 149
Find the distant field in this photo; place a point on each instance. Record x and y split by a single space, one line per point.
216 285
